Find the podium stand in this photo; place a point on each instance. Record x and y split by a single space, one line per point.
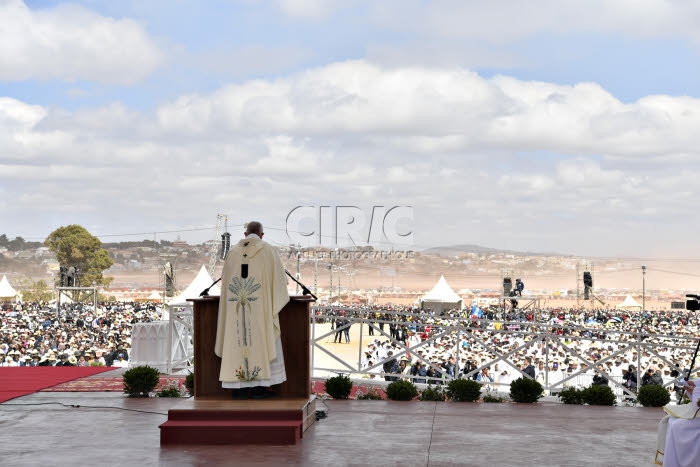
212 417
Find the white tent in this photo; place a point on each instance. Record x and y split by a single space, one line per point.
201 281
155 296
6 290
441 297
629 304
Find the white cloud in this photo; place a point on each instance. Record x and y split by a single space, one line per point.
71 43
310 9
443 110
486 157
511 20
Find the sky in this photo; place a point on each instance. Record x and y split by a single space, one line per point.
566 126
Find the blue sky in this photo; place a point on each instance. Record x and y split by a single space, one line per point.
628 68
561 111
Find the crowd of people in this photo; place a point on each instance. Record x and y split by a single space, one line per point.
558 348
38 334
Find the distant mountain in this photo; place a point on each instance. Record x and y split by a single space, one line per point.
456 250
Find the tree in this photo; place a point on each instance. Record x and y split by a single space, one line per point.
37 292
74 246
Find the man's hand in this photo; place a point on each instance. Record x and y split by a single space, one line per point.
689 388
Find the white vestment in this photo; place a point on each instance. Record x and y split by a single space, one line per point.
678 437
248 337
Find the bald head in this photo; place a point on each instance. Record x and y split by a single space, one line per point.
254 227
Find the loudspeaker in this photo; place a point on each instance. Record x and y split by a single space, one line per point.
507 286
587 284
225 244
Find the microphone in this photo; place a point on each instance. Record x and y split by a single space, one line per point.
304 289
205 292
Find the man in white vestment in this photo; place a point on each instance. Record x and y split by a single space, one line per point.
678 438
248 337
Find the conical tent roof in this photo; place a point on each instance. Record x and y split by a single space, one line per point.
442 292
201 281
155 295
629 304
6 290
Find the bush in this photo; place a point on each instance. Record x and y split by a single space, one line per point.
171 390
401 391
189 383
571 395
598 395
140 380
463 390
339 387
525 390
653 395
96 363
373 394
432 394
490 398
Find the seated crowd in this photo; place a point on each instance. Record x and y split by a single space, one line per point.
32 334
585 347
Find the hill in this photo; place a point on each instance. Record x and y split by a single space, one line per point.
457 250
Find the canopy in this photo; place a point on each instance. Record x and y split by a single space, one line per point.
155 296
629 304
441 297
201 281
6 290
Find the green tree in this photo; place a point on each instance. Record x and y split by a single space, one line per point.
37 291
74 246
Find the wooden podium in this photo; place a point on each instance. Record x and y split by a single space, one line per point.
212 417
294 322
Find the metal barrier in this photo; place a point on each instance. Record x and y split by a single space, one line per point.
181 338
479 334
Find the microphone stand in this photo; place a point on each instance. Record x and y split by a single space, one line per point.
304 289
205 292
692 362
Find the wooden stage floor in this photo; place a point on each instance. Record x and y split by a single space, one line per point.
100 432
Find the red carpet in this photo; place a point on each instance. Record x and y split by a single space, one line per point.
20 381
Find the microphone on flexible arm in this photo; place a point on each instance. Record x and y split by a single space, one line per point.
205 292
304 289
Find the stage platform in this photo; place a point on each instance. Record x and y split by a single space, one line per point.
215 421
111 429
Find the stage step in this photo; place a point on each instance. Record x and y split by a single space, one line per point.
235 415
208 432
271 421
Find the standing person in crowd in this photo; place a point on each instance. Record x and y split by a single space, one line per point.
631 379
484 377
449 366
346 331
390 366
540 373
529 369
338 338
652 377
599 379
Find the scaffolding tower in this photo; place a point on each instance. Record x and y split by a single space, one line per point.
221 227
